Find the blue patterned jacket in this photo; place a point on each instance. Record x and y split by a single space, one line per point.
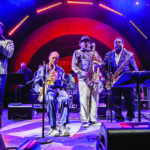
6 51
81 61
39 76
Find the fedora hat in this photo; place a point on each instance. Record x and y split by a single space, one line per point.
85 38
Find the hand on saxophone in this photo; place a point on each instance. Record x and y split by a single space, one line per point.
96 59
40 91
51 78
85 73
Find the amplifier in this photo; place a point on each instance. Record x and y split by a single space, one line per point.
19 111
101 111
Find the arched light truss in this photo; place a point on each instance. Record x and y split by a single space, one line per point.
67 26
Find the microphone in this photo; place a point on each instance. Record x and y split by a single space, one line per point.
44 71
93 44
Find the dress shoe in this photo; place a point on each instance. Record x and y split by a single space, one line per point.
130 119
119 118
85 124
95 123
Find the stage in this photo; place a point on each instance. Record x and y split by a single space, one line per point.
16 132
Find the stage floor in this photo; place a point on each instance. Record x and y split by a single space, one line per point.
16 132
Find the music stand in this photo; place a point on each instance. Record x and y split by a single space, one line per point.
134 79
16 79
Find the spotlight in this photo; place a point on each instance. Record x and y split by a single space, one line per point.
137 3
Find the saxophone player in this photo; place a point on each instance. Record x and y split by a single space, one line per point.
114 60
89 89
54 95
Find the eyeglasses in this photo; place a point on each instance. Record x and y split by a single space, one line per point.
117 41
86 41
54 58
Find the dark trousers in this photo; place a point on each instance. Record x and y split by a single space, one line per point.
2 86
117 101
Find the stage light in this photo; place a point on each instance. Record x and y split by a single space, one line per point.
137 2
138 29
110 9
79 2
48 7
18 25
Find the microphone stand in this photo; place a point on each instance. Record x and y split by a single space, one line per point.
44 140
110 93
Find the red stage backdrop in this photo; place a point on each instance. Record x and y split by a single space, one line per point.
67 26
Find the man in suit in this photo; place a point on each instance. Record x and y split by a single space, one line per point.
113 60
6 51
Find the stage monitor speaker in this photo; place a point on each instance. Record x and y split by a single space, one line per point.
101 111
20 111
30 145
123 136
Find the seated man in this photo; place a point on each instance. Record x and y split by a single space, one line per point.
54 94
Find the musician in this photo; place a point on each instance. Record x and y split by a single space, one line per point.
83 65
6 51
55 94
25 90
113 60
35 73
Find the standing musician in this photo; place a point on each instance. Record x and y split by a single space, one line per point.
54 94
117 62
6 51
25 91
86 63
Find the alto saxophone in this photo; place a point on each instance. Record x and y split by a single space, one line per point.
47 82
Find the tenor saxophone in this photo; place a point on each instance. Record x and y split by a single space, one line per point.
95 71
